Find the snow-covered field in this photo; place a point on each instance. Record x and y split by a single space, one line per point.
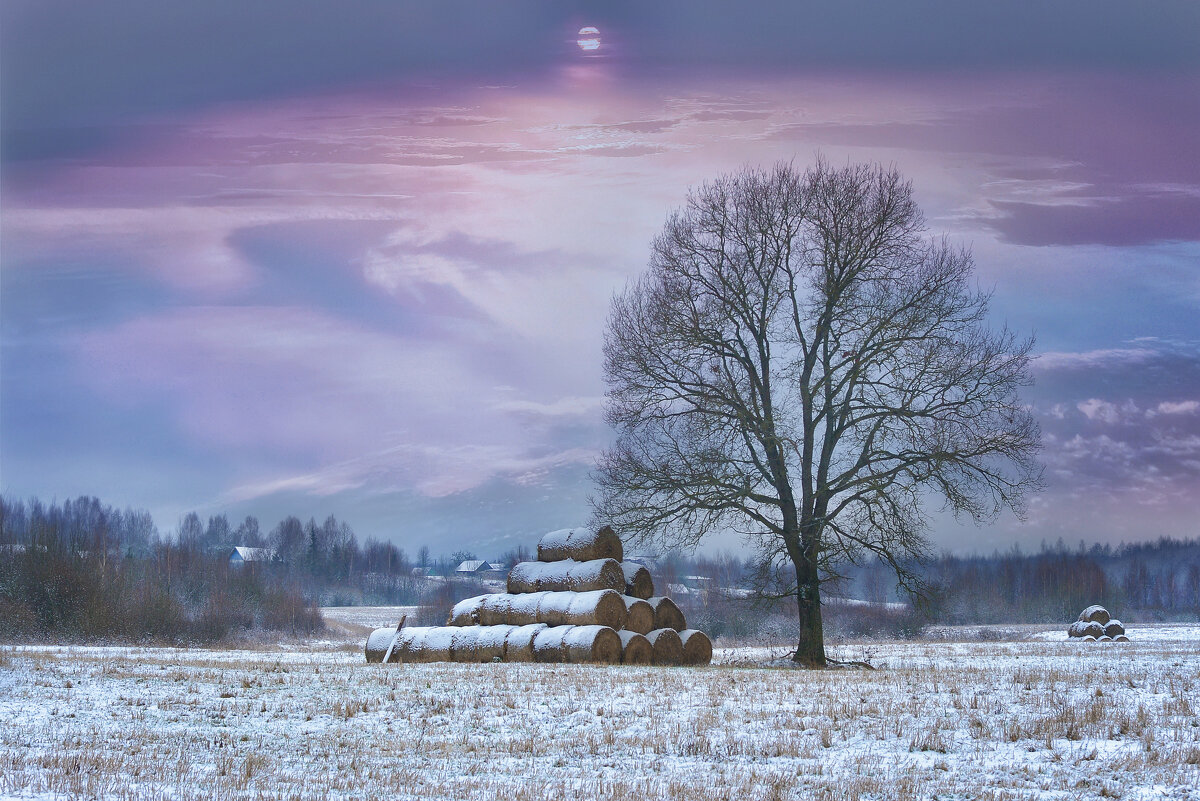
1029 717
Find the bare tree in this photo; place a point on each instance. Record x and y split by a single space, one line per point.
802 365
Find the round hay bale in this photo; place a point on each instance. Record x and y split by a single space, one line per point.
580 544
667 647
1088 638
378 642
518 644
513 610
697 648
635 648
591 644
435 645
639 615
490 643
666 613
1077 629
1095 614
598 608
566 576
466 612
638 582
1104 638
548 644
408 647
1093 630
463 644
595 608
1114 627
1120 638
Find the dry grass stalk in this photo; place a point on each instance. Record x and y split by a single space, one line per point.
581 545
566 576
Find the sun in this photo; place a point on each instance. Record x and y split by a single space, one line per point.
589 39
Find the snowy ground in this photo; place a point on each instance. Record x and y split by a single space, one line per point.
1031 716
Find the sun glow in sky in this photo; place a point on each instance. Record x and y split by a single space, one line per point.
239 279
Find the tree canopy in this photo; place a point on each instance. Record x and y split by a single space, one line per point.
804 365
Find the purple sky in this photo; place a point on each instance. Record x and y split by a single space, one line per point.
356 258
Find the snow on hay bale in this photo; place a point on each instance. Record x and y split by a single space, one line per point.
566 575
640 615
1077 629
1113 628
697 648
577 644
666 613
1095 630
1095 614
595 608
580 545
1120 638
518 645
668 648
638 582
635 648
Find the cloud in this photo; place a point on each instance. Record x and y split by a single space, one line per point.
1176 407
1093 359
1103 411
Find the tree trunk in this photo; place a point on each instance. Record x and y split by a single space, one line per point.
810 651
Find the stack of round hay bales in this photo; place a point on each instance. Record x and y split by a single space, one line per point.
1095 624
580 602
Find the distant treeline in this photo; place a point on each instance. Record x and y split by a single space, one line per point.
86 569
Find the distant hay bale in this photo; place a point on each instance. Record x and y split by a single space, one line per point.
1088 638
1114 627
640 615
1095 630
567 575
580 545
666 613
667 647
591 645
638 582
1077 629
697 648
518 644
1095 614
1120 638
635 648
1104 638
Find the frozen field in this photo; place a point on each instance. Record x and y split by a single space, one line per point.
1029 717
